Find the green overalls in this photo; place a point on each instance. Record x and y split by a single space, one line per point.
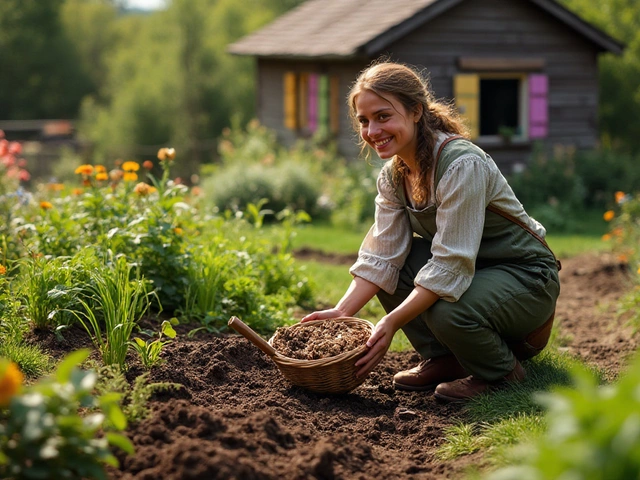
513 291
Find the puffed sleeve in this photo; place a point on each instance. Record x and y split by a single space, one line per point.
462 196
386 245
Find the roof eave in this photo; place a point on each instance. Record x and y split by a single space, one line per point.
379 43
597 36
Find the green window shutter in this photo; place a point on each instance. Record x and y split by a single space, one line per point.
323 104
290 101
466 90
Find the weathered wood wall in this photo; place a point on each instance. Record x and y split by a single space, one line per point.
482 28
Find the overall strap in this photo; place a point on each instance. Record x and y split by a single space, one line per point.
496 210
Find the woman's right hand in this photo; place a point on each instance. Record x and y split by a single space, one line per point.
323 315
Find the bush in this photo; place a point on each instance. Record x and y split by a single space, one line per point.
593 433
43 435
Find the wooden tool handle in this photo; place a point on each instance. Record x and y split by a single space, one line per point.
246 331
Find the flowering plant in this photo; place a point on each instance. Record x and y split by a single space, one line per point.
43 434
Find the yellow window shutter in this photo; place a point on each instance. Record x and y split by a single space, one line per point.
466 91
303 100
290 101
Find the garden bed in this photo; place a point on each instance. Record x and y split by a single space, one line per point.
237 417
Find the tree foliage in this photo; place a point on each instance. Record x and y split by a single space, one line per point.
619 85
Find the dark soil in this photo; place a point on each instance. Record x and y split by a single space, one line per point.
312 341
238 418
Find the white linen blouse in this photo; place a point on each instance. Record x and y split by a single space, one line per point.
468 185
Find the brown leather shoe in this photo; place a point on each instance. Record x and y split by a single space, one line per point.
465 388
429 373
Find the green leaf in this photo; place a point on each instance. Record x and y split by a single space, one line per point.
115 416
168 330
63 372
120 441
140 342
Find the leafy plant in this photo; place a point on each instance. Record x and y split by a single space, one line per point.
44 435
135 398
149 351
593 432
112 306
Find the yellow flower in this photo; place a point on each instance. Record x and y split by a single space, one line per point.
10 381
619 196
144 189
102 176
84 170
3 270
606 237
608 215
100 169
130 166
46 205
166 154
130 177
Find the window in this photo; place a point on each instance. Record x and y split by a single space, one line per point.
311 102
507 105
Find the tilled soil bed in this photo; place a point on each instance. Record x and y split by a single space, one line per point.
238 418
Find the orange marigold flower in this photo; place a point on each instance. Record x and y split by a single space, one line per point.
147 164
11 379
3 270
608 215
144 189
623 258
100 169
102 176
619 196
196 191
130 177
166 154
77 191
130 166
617 232
46 205
178 231
606 237
84 170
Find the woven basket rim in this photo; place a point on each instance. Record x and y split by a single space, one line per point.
296 362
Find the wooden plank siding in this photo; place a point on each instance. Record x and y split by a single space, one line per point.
481 28
270 99
513 28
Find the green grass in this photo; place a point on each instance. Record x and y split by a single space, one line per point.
32 361
571 245
327 238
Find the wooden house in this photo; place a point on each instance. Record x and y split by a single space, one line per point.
522 72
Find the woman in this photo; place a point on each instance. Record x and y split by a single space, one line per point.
453 257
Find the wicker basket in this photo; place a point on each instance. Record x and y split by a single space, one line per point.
335 374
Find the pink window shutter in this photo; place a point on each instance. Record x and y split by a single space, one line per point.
313 102
538 106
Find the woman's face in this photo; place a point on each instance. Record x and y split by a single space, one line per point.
386 125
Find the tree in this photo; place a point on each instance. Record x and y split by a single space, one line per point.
40 76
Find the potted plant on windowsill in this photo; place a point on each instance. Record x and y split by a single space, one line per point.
506 133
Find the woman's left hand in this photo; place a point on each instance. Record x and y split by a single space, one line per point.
378 344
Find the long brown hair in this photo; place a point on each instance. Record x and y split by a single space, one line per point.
409 87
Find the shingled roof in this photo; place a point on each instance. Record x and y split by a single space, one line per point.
352 28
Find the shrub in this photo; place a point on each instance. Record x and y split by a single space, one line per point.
593 432
43 435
